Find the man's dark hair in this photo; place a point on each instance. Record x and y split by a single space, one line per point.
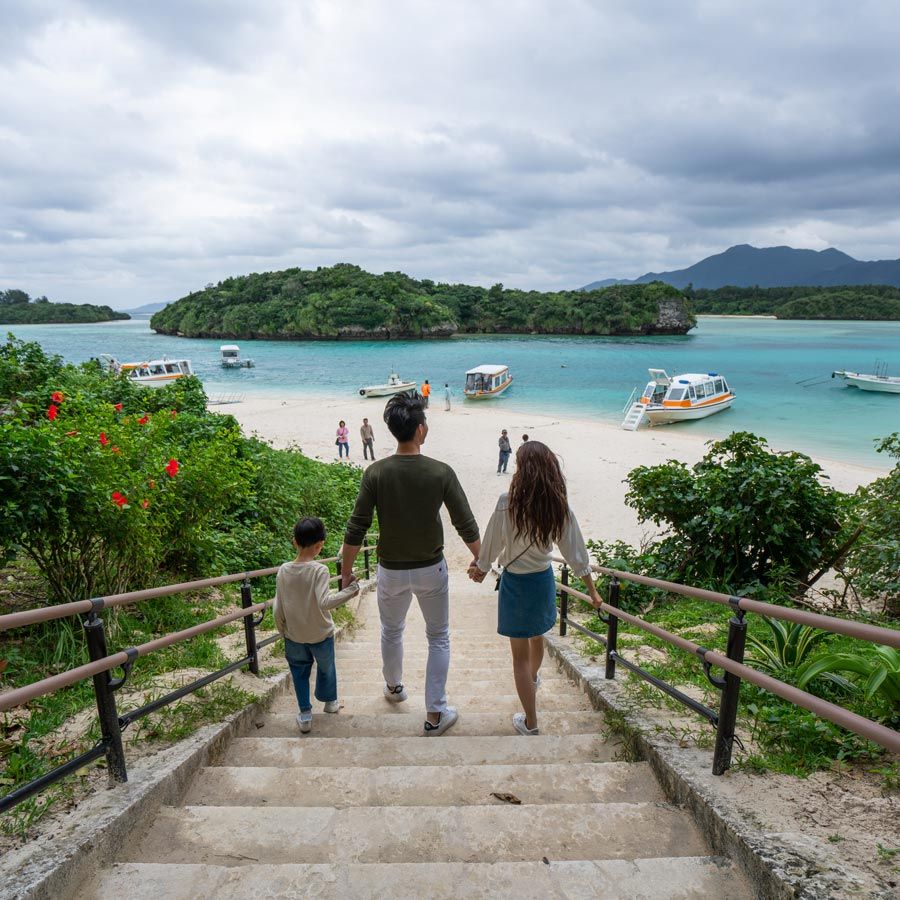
308 531
403 414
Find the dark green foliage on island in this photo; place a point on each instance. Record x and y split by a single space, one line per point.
871 302
17 308
344 301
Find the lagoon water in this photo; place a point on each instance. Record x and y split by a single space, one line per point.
763 360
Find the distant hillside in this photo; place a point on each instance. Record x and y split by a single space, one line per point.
344 302
146 310
869 302
17 308
746 266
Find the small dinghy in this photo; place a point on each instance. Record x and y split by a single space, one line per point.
395 385
881 381
231 358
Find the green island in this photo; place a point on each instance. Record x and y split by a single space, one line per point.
872 302
345 302
17 308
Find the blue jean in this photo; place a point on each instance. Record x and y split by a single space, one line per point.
504 459
343 448
300 659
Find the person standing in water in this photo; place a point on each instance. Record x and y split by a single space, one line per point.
505 451
526 523
367 435
447 396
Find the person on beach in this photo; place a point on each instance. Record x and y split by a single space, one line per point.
426 392
447 397
407 490
343 439
527 521
505 451
524 438
367 435
303 618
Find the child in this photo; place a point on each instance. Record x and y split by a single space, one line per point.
303 618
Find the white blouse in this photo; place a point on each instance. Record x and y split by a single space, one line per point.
501 541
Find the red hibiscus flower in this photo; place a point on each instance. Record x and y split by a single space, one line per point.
174 413
57 397
104 440
145 503
172 468
117 407
52 412
119 499
143 420
114 448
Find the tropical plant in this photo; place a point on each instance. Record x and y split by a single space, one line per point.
880 673
790 646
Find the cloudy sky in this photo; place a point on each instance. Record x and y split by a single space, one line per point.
149 148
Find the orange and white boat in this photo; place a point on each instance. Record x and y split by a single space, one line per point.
484 382
153 373
678 398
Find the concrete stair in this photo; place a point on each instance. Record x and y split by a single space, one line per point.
365 806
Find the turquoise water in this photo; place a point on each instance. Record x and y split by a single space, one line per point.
763 360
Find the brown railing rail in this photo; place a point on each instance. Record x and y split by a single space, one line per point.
102 663
732 663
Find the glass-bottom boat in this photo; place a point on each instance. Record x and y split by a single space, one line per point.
678 398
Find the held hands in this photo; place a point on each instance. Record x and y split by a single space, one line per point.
474 573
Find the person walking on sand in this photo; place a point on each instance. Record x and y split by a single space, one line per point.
407 490
505 451
426 392
342 436
525 524
447 397
367 436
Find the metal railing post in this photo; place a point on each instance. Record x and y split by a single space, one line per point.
728 706
612 629
563 602
106 701
249 627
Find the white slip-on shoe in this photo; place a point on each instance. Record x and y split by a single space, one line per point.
304 720
447 721
332 706
396 694
521 727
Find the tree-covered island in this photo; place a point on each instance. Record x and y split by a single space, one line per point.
871 302
17 308
345 302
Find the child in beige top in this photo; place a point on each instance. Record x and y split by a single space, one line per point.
303 617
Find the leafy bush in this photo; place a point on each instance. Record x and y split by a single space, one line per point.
880 673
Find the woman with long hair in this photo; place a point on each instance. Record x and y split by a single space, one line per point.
526 523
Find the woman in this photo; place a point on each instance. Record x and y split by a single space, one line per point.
525 524
343 439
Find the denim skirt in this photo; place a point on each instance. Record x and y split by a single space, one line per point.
527 604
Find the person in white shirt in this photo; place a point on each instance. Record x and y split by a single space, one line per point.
526 523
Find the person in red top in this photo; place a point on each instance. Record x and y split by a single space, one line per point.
426 392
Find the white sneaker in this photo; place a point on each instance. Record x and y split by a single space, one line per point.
447 721
332 706
521 727
304 720
396 694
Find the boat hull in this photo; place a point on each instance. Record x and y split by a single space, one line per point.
670 415
383 390
881 385
156 380
488 395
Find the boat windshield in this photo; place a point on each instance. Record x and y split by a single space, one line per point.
185 367
676 394
475 382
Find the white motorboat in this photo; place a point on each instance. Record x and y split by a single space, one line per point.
231 357
395 385
881 382
153 373
484 382
678 398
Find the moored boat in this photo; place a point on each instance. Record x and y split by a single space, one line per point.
231 357
678 398
484 382
153 373
395 385
881 382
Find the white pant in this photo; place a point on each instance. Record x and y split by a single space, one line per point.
395 592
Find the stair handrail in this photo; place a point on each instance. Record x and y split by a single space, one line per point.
627 405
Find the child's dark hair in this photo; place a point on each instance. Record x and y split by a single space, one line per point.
308 531
403 414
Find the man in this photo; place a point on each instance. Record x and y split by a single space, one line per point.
426 392
447 396
368 439
407 491
505 451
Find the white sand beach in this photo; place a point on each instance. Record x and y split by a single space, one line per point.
596 455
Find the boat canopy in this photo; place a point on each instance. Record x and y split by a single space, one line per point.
233 348
487 370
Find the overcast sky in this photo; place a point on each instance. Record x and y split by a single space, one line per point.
149 148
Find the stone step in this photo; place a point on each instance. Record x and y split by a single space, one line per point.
374 703
485 670
667 878
235 835
610 782
458 643
309 750
502 683
484 724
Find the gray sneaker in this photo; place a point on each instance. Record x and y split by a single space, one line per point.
396 694
521 727
304 720
332 706
447 721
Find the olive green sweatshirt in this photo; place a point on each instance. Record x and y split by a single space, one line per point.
407 492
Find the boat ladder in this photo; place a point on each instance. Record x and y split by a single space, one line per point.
635 417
